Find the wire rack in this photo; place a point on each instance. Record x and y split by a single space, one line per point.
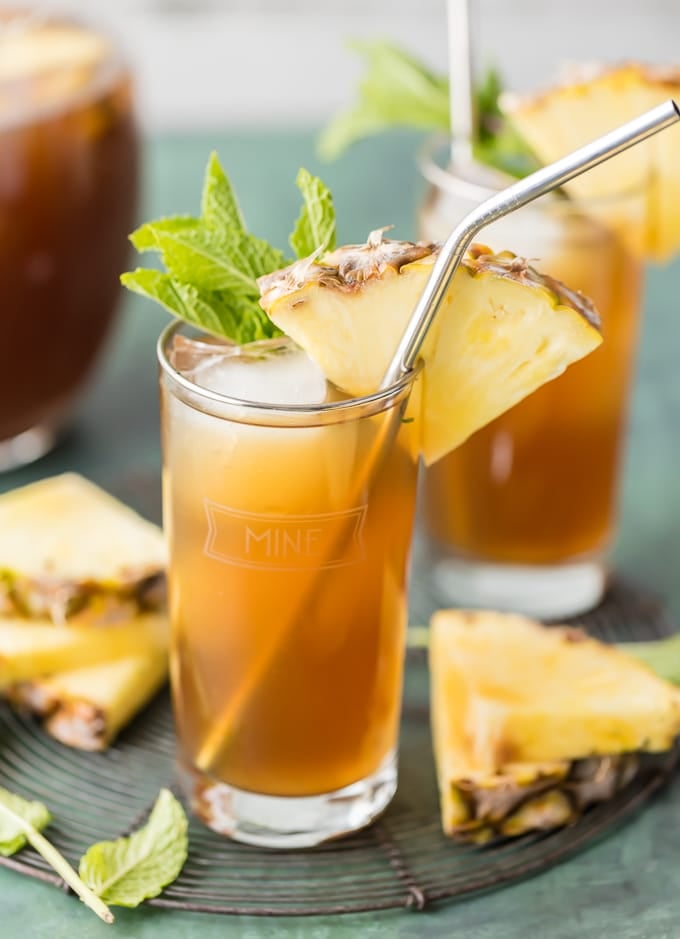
401 861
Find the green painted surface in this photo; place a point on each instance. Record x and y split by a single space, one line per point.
623 887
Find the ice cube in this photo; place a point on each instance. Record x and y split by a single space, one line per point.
267 372
188 354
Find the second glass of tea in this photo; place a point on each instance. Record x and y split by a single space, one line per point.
522 515
289 531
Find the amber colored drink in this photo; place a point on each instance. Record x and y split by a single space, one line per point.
289 547
68 186
538 486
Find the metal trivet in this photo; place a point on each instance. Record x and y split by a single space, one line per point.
402 861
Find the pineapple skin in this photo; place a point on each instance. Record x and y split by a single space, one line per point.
519 743
516 328
86 708
525 797
68 548
79 602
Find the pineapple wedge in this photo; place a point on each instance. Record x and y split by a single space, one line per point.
503 331
68 547
566 117
531 724
87 707
30 649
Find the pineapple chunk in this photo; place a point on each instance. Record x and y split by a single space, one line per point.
66 545
523 692
87 707
503 331
531 724
564 118
31 649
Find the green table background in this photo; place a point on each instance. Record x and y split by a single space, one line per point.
628 885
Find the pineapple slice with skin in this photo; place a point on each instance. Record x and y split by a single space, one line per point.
566 117
531 724
503 330
87 707
67 547
30 649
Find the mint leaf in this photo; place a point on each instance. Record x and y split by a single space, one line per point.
159 287
199 257
212 263
498 144
132 869
20 823
256 255
13 822
220 210
222 215
507 152
314 230
221 313
397 90
146 237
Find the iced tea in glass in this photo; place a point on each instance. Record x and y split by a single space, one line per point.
289 529
522 514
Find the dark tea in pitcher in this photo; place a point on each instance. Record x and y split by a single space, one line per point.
68 184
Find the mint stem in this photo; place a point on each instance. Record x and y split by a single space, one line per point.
59 863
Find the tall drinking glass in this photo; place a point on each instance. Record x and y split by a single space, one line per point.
289 532
522 515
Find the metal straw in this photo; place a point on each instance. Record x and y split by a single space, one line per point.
462 112
506 201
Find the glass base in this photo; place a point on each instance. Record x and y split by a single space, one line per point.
26 447
289 822
544 592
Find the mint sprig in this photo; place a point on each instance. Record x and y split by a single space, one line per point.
21 822
16 816
399 91
129 870
396 91
123 872
212 262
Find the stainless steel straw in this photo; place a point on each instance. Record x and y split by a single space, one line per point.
506 201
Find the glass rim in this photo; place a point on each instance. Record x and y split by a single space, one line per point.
112 67
275 414
432 170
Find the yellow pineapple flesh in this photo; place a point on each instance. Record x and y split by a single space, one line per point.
566 117
31 649
87 707
531 724
503 331
67 547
